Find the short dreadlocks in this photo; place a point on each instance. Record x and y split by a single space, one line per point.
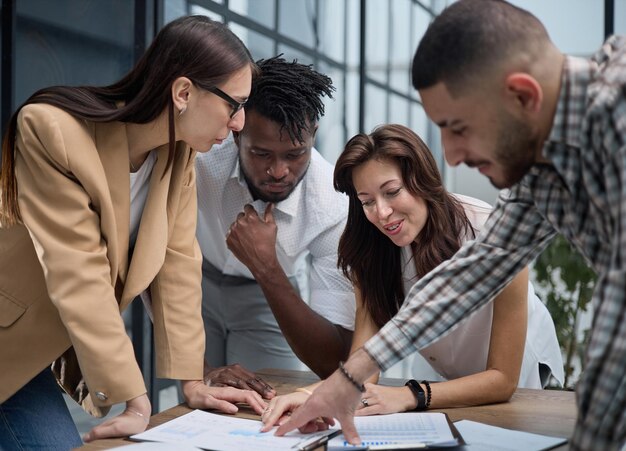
289 94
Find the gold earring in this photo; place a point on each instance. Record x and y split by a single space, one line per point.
182 110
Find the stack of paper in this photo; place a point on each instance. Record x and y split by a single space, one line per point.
224 433
482 437
409 430
401 431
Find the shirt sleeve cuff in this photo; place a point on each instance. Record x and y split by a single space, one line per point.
389 345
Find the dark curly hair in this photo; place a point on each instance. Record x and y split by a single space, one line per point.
290 94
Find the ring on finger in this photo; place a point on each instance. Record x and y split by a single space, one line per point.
365 402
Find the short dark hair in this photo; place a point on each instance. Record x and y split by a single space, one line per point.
290 94
470 37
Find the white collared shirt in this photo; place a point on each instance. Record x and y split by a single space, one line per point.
309 222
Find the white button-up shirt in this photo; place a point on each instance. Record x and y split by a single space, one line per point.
309 222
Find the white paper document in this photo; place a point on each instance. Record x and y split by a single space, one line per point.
479 437
420 429
211 431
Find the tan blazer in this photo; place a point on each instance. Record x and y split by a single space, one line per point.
65 274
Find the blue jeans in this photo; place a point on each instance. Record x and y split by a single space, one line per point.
36 417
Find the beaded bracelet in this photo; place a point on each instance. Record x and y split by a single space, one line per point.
428 393
360 387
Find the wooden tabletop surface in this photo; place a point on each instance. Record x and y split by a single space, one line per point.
548 412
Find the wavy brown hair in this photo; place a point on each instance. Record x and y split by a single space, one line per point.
196 47
366 256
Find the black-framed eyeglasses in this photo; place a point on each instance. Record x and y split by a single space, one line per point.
237 106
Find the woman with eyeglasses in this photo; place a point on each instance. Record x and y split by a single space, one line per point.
402 223
98 206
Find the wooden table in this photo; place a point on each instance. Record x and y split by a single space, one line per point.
548 412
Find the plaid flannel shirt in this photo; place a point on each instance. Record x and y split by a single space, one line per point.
581 195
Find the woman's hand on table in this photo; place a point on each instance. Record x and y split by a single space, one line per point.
379 399
199 396
337 398
133 420
280 408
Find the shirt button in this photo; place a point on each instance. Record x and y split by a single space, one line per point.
101 396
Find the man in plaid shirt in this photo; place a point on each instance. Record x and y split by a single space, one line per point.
552 129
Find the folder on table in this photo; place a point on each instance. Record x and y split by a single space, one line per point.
408 430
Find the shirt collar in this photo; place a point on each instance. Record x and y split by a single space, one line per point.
288 206
571 106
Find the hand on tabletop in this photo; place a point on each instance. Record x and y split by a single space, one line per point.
379 399
337 398
199 396
239 377
133 420
281 407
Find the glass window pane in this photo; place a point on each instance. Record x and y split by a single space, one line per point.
420 21
296 21
331 24
173 9
331 135
428 132
200 11
261 11
260 46
353 10
575 26
375 107
352 103
620 18
419 122
376 39
401 52
398 110
290 53
69 43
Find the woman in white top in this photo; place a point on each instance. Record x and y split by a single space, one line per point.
397 197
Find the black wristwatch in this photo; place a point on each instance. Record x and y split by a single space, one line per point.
418 392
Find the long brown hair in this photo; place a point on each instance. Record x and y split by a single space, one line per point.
196 47
366 256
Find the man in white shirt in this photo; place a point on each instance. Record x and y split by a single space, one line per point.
268 220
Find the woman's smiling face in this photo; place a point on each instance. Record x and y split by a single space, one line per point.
387 204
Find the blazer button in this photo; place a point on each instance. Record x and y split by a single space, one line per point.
101 396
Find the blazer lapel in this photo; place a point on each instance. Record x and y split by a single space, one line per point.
112 145
149 253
